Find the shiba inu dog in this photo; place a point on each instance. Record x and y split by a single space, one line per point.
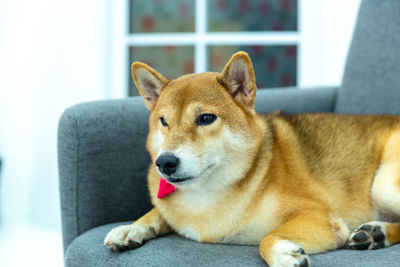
292 184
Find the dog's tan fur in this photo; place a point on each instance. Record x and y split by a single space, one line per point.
282 181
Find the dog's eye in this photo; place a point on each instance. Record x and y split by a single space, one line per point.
205 119
163 122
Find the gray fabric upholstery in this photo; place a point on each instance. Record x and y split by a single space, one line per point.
88 250
371 82
294 100
102 164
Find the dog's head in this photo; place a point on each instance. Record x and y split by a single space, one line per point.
203 127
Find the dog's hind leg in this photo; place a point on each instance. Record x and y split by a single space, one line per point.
374 235
385 195
385 190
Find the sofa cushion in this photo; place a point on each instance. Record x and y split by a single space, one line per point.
371 82
171 250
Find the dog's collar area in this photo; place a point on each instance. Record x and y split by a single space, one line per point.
165 188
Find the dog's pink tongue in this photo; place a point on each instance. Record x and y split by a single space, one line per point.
165 188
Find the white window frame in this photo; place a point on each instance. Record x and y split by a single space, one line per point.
309 39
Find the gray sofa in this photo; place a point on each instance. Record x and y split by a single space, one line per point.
103 161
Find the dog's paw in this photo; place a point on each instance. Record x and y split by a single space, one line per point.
287 253
127 237
371 235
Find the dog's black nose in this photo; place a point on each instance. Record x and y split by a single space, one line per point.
167 163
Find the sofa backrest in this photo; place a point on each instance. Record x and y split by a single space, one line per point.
371 82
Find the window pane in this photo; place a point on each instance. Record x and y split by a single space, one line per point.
170 61
161 16
252 15
275 66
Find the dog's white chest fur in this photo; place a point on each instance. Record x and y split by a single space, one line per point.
258 226
234 224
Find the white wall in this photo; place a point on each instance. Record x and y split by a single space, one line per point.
326 29
340 18
53 54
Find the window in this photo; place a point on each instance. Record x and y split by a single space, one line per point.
184 36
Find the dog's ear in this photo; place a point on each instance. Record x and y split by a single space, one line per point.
149 82
239 79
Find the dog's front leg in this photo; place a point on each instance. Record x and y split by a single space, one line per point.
304 234
131 236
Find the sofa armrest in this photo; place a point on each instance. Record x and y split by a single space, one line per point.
102 164
293 100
